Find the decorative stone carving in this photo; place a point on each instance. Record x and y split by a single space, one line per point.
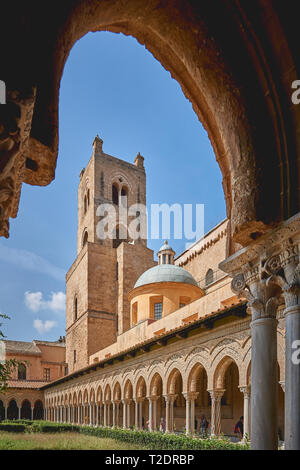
14 137
262 294
289 278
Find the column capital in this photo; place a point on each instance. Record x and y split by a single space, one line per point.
285 272
152 398
190 395
246 390
216 394
259 288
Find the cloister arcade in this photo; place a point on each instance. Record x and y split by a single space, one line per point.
180 392
18 408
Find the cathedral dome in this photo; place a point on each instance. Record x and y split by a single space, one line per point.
165 273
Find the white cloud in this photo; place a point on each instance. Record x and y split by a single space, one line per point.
35 302
43 327
31 262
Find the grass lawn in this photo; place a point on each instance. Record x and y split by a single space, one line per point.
60 441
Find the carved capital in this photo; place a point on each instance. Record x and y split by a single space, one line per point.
262 293
245 390
216 394
285 273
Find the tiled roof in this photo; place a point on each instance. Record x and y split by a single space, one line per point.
21 347
193 323
26 383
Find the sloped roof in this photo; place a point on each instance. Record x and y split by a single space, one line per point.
22 347
36 384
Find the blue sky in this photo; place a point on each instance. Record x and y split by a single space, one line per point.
111 86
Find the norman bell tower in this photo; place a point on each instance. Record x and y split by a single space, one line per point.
105 270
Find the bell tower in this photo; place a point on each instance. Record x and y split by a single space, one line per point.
105 269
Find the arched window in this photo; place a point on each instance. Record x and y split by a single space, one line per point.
75 309
85 204
88 197
209 277
22 372
124 195
85 238
115 194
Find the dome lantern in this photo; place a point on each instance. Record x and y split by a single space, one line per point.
166 254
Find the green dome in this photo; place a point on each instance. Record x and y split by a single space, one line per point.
165 273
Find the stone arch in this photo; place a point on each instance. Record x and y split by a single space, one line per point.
195 357
26 409
38 410
141 387
128 390
92 395
192 375
153 372
154 383
12 409
171 381
220 369
117 392
107 393
99 395
252 143
85 396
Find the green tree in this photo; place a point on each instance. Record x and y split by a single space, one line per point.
6 366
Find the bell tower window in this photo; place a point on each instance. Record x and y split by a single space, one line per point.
115 194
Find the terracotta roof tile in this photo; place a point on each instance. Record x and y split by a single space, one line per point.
26 383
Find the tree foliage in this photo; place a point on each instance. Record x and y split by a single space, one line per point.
6 366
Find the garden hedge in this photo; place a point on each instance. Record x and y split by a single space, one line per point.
152 440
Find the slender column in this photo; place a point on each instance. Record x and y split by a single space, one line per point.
246 392
150 414
128 414
262 296
187 414
118 414
216 396
109 420
154 414
114 414
105 414
5 412
167 413
136 414
31 413
101 414
124 414
19 412
91 415
140 404
192 416
172 400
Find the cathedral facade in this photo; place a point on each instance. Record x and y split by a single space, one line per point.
145 339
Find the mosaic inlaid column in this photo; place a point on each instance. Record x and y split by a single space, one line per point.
215 424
